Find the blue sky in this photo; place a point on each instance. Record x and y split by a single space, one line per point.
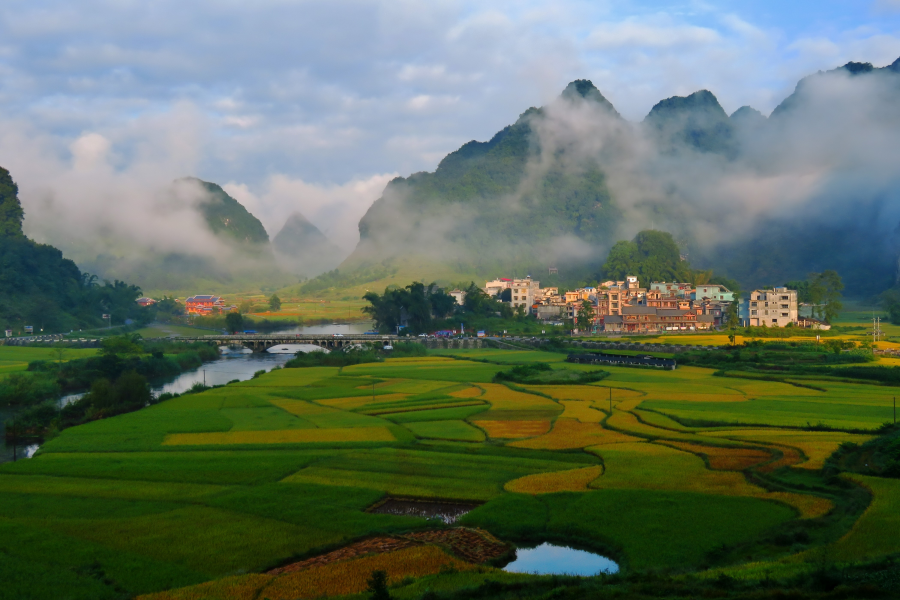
314 105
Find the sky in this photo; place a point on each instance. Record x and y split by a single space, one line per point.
314 105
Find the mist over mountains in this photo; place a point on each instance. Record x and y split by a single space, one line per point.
760 199
220 245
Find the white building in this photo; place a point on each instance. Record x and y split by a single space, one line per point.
773 308
458 295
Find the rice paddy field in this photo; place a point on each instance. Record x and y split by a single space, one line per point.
201 496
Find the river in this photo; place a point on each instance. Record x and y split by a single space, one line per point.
234 364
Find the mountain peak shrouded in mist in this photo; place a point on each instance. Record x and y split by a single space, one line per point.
809 85
227 217
586 90
697 121
303 249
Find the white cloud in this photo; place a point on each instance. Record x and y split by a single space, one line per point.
632 33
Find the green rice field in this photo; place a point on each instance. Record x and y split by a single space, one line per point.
687 472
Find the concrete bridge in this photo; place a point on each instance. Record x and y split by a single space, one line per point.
262 342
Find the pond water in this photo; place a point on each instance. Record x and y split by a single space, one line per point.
448 512
548 559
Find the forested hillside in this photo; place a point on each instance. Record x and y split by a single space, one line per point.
39 287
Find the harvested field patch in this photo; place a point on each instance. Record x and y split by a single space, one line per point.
473 545
816 445
724 459
288 436
790 457
514 429
516 415
575 480
570 434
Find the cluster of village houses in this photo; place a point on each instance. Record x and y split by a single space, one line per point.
619 306
626 307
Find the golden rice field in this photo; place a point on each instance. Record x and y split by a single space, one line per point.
287 436
569 434
514 429
582 410
469 392
576 480
502 398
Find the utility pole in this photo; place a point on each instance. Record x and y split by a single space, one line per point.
204 377
876 329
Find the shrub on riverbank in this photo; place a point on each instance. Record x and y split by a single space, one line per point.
542 373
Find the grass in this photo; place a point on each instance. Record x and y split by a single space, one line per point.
16 358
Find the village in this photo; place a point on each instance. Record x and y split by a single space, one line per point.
615 307
626 307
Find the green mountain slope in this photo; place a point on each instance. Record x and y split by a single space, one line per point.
41 288
503 205
227 217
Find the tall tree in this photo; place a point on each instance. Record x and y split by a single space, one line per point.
825 294
651 256
274 303
585 317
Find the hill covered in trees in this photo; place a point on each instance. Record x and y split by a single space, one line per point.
39 287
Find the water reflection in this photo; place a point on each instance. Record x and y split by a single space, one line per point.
548 559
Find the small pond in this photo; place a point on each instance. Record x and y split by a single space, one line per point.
448 512
548 559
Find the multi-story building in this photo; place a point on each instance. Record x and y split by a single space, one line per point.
712 292
772 308
523 292
681 290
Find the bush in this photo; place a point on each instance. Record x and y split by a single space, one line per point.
542 373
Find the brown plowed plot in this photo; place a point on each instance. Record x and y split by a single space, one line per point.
378 545
792 456
725 459
473 545
514 429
